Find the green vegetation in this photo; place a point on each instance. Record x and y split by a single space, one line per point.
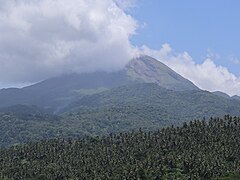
90 91
198 150
57 92
121 109
23 128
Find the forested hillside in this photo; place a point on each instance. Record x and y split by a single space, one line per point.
198 150
121 109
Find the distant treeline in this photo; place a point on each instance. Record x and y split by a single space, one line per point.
196 150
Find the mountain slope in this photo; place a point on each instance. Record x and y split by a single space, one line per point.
121 109
148 105
57 92
221 94
236 97
149 70
24 109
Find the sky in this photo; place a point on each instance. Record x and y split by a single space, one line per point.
45 38
199 27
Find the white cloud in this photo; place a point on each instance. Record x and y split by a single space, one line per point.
126 4
13 85
207 75
43 38
235 60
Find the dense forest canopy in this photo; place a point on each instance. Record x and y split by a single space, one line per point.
196 150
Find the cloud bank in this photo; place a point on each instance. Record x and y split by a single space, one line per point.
207 76
44 38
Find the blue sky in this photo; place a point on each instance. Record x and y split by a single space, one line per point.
198 27
43 38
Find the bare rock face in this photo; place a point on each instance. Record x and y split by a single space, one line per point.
149 70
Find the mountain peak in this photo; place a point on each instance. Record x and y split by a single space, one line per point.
147 69
57 92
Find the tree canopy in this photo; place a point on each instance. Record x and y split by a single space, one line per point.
196 150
